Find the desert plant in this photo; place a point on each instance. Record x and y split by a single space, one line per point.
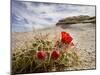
46 55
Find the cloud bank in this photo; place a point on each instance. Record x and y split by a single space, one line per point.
27 16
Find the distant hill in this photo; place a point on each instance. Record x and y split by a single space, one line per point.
77 19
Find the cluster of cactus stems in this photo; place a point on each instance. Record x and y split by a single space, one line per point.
46 55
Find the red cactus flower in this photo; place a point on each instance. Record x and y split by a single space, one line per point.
41 55
66 38
55 54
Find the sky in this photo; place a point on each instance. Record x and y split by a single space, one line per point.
27 16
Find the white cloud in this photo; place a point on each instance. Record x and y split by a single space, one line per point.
40 15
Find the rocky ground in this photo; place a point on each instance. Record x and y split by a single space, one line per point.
84 38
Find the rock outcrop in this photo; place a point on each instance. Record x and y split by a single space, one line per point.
77 19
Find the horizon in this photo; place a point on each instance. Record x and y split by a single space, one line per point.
27 16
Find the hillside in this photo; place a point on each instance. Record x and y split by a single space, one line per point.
76 19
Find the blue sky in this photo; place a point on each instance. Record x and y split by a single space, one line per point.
27 16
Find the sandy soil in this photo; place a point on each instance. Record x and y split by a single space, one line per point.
84 39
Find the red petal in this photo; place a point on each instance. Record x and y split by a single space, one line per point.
66 38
